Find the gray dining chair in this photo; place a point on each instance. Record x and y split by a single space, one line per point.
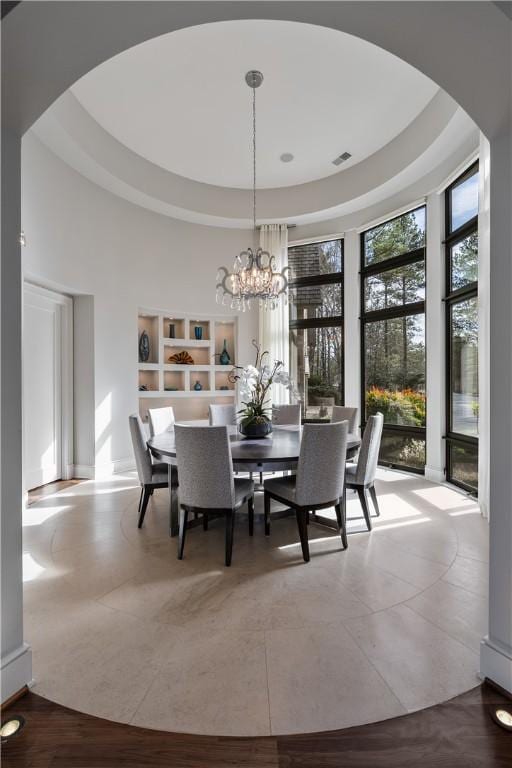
283 415
160 420
222 415
207 484
361 476
151 475
319 482
344 413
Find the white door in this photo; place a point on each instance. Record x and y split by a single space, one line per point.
42 385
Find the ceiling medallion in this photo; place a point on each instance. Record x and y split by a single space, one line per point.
253 277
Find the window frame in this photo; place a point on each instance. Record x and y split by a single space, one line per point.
333 321
451 299
416 255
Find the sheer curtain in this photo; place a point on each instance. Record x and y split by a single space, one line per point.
483 326
273 323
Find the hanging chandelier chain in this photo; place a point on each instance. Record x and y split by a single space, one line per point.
253 276
254 157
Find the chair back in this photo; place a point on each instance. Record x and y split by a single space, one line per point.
344 413
369 451
321 467
160 420
286 414
205 467
222 415
140 449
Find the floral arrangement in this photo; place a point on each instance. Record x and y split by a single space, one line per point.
254 382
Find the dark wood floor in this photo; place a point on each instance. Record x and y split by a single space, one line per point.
36 494
457 734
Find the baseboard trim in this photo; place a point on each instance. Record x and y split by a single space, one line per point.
434 475
496 665
16 671
102 471
14 698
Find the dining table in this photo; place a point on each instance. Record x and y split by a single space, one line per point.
279 451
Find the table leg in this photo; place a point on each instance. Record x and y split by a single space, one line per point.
174 523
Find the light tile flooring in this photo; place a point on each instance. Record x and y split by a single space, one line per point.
121 629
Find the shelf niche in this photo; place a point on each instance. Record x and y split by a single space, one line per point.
204 325
222 380
149 380
225 331
200 355
174 381
179 328
148 323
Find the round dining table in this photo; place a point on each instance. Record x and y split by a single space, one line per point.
277 452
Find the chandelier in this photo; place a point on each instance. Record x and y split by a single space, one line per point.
253 277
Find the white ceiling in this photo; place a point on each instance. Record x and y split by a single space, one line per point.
181 102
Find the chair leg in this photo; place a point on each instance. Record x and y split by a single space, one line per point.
146 493
261 478
266 498
361 492
341 516
230 524
205 521
303 532
373 494
183 531
250 507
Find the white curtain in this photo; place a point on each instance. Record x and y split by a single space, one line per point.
273 323
484 335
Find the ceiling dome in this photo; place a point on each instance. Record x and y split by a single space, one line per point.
181 101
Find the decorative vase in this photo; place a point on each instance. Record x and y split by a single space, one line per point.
255 430
198 386
224 357
198 332
144 347
172 331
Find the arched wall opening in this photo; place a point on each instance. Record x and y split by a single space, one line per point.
83 37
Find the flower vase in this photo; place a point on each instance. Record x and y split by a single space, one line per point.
224 357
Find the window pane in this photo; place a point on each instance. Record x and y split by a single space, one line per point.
395 287
463 464
464 262
316 365
315 259
395 369
464 202
464 367
395 237
403 450
316 301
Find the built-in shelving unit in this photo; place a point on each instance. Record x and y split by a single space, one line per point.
170 383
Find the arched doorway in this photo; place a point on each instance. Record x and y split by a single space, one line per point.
80 37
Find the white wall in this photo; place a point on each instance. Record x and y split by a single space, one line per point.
83 240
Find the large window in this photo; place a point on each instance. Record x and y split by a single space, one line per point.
393 336
462 330
316 325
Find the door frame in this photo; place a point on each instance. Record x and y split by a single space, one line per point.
64 372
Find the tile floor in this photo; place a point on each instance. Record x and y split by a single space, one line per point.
121 629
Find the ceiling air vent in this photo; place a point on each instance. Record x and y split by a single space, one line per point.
341 158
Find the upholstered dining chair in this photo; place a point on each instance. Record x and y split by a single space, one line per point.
344 413
207 484
151 475
361 476
286 415
222 415
160 420
319 480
